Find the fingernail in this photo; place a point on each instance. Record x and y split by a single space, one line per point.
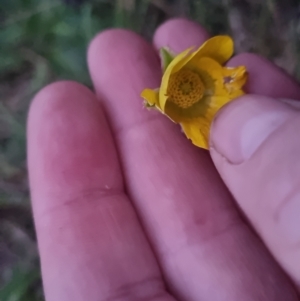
244 125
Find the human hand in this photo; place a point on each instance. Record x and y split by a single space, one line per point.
131 210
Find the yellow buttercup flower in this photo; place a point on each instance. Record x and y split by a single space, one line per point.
195 85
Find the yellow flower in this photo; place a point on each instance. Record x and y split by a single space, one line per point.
195 85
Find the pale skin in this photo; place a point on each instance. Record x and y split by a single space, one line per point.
126 208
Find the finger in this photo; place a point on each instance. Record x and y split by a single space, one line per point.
265 78
91 243
198 236
179 34
255 147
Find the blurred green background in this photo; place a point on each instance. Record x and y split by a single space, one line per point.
46 40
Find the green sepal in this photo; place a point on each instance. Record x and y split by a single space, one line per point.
166 56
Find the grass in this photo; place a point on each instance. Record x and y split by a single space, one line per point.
42 41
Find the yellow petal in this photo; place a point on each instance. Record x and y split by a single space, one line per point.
236 94
219 48
195 133
198 129
220 86
216 103
235 79
215 94
151 97
214 70
178 62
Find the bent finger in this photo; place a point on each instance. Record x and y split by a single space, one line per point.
265 78
255 147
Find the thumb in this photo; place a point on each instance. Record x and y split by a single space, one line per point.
255 145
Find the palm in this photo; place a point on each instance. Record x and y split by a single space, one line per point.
140 213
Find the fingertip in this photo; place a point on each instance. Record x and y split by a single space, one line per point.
56 88
111 39
56 99
255 147
265 78
111 50
68 139
59 93
60 100
179 34
122 64
244 58
243 125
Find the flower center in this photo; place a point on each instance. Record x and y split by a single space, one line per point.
185 88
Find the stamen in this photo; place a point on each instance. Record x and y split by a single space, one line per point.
185 88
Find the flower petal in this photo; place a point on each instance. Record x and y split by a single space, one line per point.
236 94
221 85
151 97
198 129
178 62
236 79
214 70
219 48
216 103
193 131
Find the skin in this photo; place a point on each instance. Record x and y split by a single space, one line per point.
126 208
